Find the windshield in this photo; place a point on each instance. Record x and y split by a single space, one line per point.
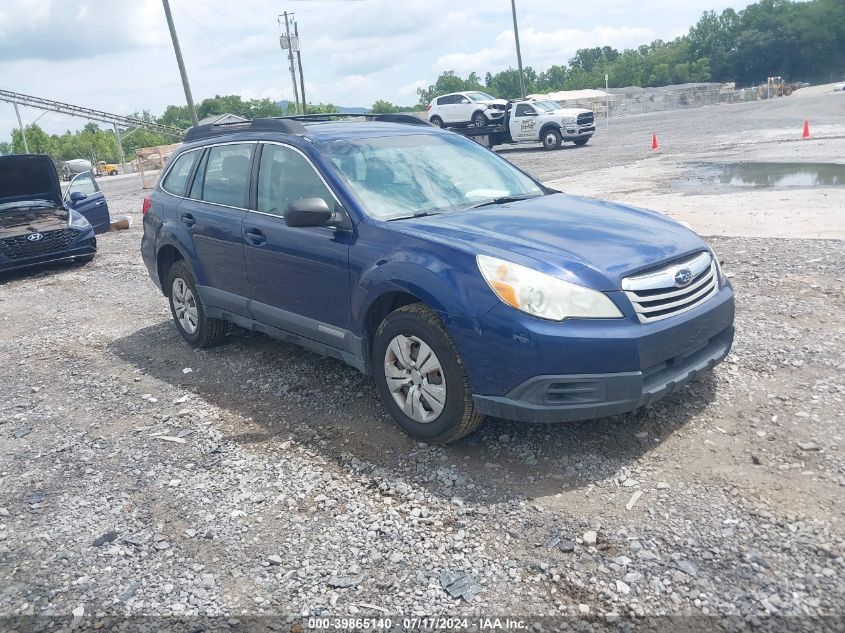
546 106
480 96
396 177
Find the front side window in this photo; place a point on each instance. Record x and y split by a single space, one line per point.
177 177
285 176
524 110
83 183
226 178
396 177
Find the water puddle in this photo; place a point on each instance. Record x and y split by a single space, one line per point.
779 175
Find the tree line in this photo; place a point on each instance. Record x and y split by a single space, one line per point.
798 40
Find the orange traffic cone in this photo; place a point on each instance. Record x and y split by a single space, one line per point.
654 144
806 133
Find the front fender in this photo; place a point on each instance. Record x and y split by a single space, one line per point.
455 290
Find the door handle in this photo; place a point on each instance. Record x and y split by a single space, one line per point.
100 202
256 237
188 219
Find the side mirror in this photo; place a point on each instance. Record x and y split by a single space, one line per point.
76 196
307 212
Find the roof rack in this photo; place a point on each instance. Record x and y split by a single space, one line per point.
275 124
408 119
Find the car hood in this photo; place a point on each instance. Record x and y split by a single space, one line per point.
583 240
573 112
28 177
499 102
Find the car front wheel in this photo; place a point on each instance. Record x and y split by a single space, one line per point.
187 309
551 139
479 119
421 377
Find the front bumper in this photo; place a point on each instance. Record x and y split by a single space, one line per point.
575 132
528 369
568 398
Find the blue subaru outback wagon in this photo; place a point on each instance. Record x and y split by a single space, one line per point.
465 287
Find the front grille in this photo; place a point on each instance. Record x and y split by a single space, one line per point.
19 247
656 295
585 118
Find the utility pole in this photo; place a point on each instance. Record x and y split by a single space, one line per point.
299 63
179 61
518 52
23 132
288 44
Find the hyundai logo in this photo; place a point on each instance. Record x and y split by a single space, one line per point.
34 237
682 277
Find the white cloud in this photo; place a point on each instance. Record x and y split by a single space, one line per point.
411 88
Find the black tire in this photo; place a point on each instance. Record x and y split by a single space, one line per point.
436 121
458 417
581 142
209 332
479 119
113 172
551 139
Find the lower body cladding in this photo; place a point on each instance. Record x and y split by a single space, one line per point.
14 254
525 369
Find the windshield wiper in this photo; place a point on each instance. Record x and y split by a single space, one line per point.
419 214
503 200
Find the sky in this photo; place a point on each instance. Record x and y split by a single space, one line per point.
117 56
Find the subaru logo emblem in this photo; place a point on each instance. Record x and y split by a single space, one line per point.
682 277
34 237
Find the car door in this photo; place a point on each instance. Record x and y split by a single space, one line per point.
462 110
523 123
212 214
299 276
83 195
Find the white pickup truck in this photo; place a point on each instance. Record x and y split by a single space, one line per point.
539 121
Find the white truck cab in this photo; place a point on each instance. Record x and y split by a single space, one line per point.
549 123
533 121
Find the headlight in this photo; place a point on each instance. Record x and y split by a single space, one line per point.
568 121
542 295
78 220
719 272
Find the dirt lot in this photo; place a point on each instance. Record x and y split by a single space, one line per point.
141 477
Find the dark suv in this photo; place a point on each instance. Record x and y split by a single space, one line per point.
463 285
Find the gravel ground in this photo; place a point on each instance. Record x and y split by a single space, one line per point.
140 477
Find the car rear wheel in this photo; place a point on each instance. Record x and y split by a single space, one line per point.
436 121
113 172
421 377
581 141
187 309
479 119
551 139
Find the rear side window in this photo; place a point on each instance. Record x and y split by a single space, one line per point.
227 175
447 100
177 177
285 176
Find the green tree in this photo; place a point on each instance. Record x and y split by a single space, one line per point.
5 148
38 141
383 107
